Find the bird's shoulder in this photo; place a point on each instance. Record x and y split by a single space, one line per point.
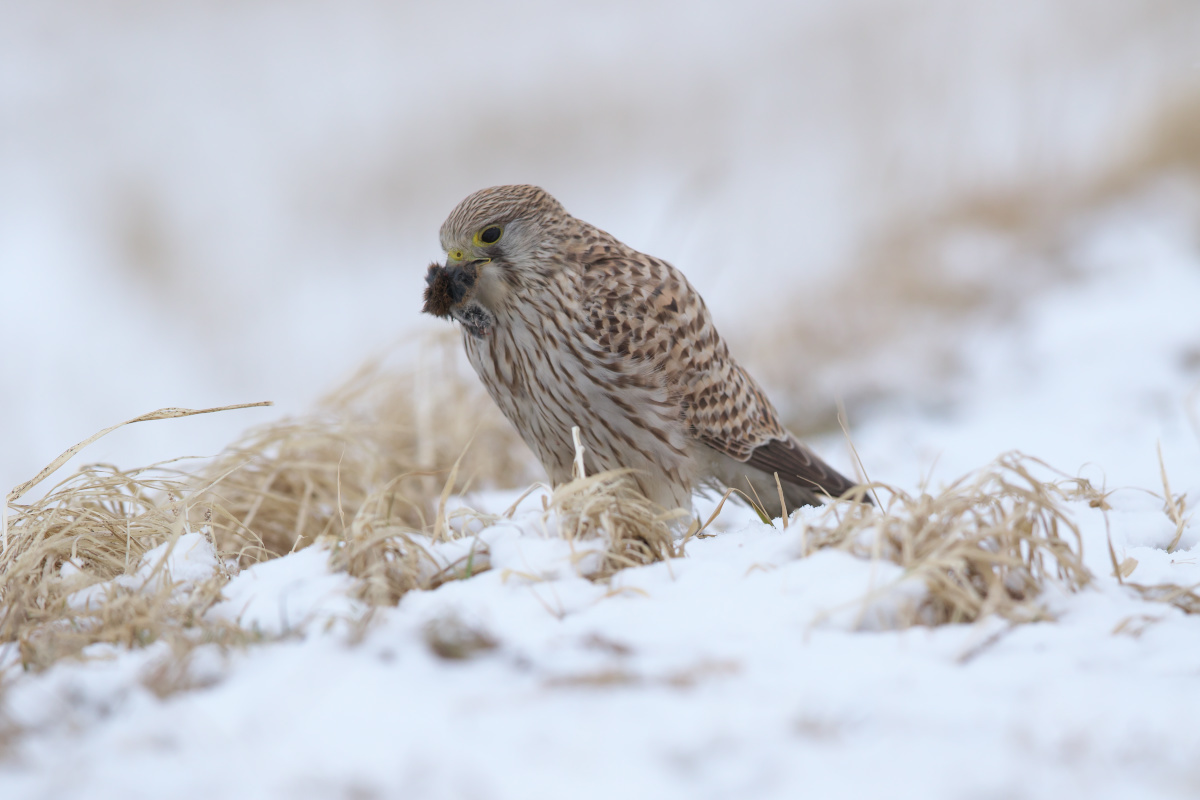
636 305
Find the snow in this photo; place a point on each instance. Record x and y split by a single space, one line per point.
286 594
1092 375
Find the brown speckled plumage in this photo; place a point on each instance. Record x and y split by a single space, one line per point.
567 326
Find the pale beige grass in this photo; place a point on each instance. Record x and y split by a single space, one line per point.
385 436
88 530
368 472
608 506
986 544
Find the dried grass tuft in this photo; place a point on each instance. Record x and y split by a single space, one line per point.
987 544
1185 598
609 506
382 438
90 529
390 560
176 672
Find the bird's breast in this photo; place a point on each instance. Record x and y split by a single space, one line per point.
547 377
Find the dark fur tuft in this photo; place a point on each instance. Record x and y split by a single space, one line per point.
439 291
446 288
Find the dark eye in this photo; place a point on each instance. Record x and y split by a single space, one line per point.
490 235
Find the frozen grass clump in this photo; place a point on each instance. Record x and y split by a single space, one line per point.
89 530
987 544
389 559
609 507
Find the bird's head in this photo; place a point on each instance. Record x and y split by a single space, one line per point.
495 240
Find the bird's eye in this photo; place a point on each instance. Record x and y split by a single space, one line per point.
489 235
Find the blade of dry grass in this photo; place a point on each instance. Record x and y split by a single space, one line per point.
1185 598
163 413
1174 506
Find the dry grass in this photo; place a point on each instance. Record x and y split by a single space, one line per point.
883 327
1170 143
390 560
1185 598
619 677
366 472
608 506
987 544
88 530
381 438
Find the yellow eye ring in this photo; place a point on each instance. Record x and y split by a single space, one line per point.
489 235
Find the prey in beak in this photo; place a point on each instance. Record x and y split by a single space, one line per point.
449 292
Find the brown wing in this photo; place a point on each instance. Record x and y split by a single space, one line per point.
796 464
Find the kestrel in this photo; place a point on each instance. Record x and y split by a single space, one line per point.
566 326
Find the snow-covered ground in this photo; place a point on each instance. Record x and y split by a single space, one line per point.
743 669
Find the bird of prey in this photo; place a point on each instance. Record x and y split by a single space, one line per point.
566 326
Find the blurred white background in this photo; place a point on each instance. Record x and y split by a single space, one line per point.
210 202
